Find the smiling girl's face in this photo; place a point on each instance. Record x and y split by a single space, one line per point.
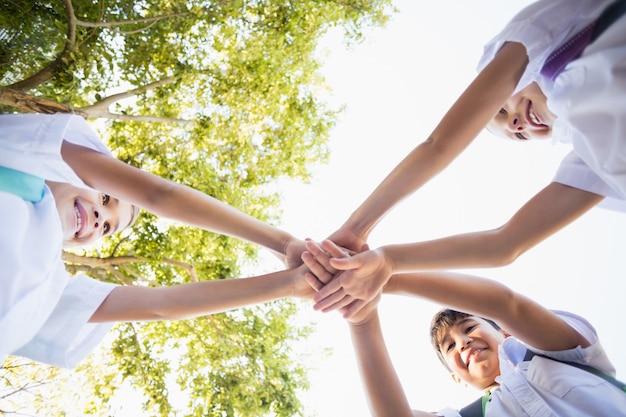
88 215
525 115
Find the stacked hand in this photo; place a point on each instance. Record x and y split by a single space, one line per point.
344 280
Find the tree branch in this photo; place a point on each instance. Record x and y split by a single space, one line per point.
62 59
150 20
99 266
101 108
28 103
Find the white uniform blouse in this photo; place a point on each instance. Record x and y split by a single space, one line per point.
589 96
543 387
43 311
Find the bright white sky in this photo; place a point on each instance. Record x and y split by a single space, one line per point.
396 86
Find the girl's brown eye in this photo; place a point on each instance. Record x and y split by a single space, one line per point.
520 136
105 199
106 227
502 111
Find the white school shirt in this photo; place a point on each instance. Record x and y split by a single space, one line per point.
43 311
588 97
543 387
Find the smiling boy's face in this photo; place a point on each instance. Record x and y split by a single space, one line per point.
87 215
470 349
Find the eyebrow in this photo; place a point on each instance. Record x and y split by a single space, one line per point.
456 324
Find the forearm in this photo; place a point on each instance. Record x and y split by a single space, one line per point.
200 210
462 292
134 303
519 315
459 126
471 250
168 199
384 390
550 210
423 163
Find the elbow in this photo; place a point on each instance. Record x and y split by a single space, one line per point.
440 152
159 196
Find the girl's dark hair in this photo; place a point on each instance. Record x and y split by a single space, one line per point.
444 320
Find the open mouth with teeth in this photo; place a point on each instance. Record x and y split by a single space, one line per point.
80 214
532 117
472 355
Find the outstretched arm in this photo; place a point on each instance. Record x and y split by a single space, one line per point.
516 314
460 125
133 303
175 201
383 388
363 276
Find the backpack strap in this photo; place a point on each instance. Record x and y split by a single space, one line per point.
476 408
608 16
609 378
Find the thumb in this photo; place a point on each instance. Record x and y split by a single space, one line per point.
344 264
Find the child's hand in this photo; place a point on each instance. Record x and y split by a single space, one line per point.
301 287
347 238
316 255
361 277
319 271
293 253
360 312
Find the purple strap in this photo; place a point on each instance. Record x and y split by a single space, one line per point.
567 52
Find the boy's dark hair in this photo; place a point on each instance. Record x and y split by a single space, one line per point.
441 322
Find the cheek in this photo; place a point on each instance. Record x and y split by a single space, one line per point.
542 134
70 243
125 215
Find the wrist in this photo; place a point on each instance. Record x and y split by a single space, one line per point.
365 323
391 286
385 253
395 258
298 287
358 226
283 242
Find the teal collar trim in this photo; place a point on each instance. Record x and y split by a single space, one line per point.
28 187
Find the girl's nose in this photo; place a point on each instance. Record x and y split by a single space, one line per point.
516 124
97 219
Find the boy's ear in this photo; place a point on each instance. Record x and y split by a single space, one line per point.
505 333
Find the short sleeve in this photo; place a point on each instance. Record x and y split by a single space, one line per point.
574 172
593 355
67 337
32 143
541 27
